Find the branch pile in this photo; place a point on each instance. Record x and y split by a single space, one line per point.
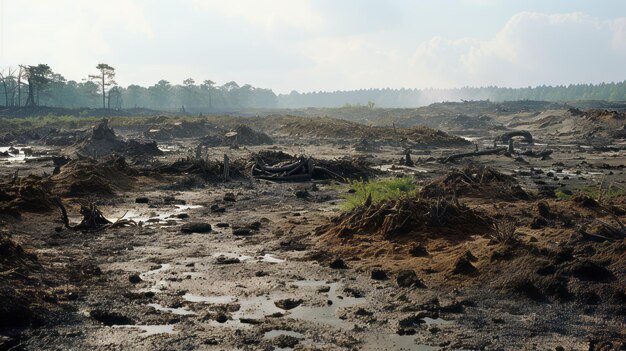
307 168
476 181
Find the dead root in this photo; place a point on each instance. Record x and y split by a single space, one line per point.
406 216
93 219
476 181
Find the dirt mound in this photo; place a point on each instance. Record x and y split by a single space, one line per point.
180 130
25 194
102 141
330 128
476 181
241 135
86 177
605 115
135 148
21 296
413 218
63 137
16 137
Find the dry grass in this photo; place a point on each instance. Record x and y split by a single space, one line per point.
504 231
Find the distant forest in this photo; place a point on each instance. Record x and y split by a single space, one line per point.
40 86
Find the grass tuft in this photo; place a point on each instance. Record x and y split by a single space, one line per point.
379 190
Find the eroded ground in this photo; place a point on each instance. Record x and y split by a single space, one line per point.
283 268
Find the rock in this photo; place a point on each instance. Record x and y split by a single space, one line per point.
411 321
229 197
134 278
182 215
338 263
408 278
222 225
217 209
196 227
221 318
242 231
255 225
302 194
142 200
379 274
288 304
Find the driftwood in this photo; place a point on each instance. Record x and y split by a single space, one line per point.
471 154
522 133
304 169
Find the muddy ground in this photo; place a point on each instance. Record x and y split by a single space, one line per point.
282 267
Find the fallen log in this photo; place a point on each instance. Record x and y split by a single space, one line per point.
471 154
286 168
543 153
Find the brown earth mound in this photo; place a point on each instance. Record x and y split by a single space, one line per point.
180 130
491 245
102 141
411 218
325 127
29 194
21 296
241 135
86 177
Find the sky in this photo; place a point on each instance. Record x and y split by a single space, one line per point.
322 45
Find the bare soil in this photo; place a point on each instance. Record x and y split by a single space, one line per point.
496 252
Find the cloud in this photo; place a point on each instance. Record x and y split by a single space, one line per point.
531 49
268 14
70 35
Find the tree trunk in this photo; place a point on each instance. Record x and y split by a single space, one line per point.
19 89
103 92
6 92
30 100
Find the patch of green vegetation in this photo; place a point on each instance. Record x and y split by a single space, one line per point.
561 195
379 190
599 193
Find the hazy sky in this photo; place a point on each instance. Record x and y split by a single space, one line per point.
308 45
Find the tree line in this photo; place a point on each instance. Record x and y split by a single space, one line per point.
29 86
39 85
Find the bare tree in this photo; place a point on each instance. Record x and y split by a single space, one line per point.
105 78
